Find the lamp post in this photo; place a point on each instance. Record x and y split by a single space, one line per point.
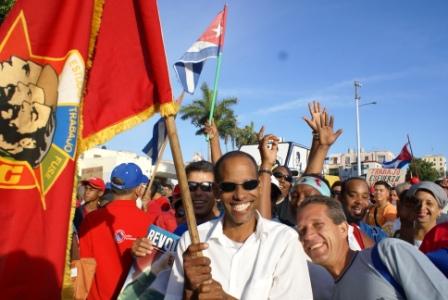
358 137
358 133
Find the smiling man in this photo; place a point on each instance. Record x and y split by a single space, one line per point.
354 198
245 255
393 269
200 183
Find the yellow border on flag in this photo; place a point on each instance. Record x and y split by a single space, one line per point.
107 133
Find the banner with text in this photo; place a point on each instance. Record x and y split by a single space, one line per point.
391 176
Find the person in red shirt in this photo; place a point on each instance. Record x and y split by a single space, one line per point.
94 188
107 233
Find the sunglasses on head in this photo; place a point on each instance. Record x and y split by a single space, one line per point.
280 175
231 186
205 186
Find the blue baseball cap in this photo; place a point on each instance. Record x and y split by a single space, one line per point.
129 173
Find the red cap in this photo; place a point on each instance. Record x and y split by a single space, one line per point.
176 191
95 182
414 180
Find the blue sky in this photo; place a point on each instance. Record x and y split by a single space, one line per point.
279 55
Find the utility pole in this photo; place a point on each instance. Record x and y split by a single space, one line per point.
358 133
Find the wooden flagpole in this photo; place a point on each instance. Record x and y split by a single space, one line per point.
182 178
154 171
160 154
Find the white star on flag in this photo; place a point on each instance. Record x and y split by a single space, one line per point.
218 30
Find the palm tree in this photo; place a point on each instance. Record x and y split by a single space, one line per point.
198 111
245 135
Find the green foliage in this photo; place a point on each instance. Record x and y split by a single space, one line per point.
198 111
246 135
5 7
423 169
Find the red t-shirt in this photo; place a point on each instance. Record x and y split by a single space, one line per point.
107 234
165 215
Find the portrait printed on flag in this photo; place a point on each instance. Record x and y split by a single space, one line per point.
28 97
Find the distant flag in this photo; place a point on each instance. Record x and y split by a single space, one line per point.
158 137
209 45
400 161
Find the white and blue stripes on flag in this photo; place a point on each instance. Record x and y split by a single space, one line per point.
400 161
209 45
159 133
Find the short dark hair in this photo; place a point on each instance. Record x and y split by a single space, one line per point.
231 154
199 166
284 167
383 183
334 207
347 181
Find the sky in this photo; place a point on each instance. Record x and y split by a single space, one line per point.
280 55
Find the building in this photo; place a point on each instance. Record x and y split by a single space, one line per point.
439 162
345 164
99 162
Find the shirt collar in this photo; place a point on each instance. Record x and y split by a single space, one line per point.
260 230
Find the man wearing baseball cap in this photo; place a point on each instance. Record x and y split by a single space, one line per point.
94 188
107 233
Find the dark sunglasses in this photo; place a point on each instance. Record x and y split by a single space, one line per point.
231 186
205 186
279 175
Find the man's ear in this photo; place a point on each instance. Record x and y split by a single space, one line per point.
343 228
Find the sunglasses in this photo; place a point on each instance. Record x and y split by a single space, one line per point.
280 175
231 186
205 186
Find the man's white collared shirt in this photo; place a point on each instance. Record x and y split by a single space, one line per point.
270 264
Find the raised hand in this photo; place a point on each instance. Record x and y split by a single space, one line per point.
325 133
268 147
211 130
315 111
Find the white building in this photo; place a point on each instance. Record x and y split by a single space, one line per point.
439 162
345 164
99 162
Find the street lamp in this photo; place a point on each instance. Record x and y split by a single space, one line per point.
358 133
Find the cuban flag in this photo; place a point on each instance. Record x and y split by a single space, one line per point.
400 161
209 45
159 133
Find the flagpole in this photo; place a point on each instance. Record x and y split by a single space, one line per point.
161 151
218 68
215 88
182 177
412 156
156 167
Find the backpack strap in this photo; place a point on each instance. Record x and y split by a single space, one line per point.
382 269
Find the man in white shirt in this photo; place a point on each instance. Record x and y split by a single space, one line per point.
245 255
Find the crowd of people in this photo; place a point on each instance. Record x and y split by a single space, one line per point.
266 234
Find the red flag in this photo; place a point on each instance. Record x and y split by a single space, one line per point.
43 49
129 79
